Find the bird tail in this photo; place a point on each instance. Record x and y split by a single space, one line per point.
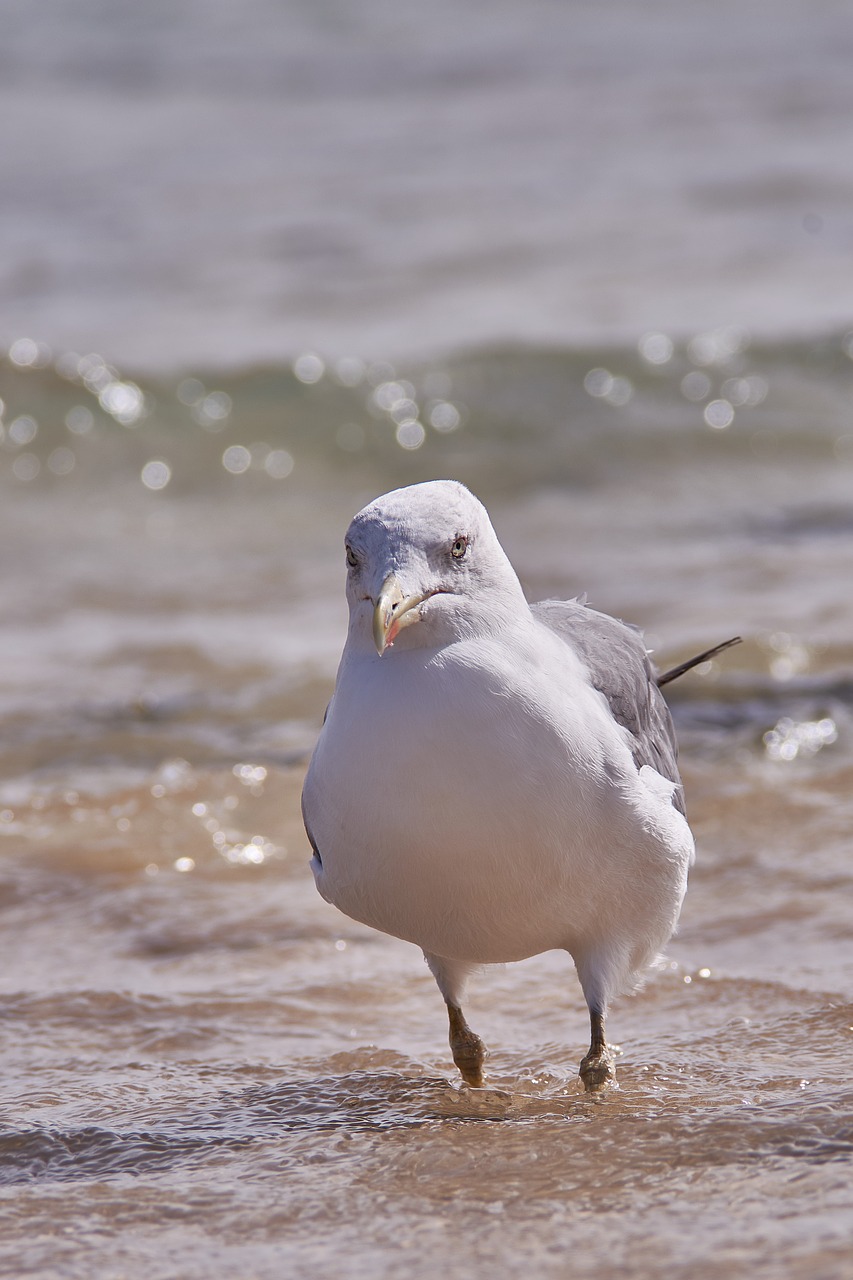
675 672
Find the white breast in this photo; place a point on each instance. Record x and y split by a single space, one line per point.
488 810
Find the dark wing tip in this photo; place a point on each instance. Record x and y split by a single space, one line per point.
675 672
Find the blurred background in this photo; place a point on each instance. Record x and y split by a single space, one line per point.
258 264
199 184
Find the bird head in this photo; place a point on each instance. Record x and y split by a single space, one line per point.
424 563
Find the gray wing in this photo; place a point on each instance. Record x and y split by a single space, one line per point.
620 668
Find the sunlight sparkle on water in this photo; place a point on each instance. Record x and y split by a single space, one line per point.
250 774
404 410
156 474
389 394
789 738
26 353
23 430
695 386
791 656
598 382
278 464
79 420
717 346
123 401
309 368
212 410
61 462
255 853
444 417
603 385
350 371
621 391
751 390
410 434
236 459
23 352
719 414
94 372
656 348
190 391
26 467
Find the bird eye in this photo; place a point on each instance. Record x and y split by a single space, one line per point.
458 548
352 558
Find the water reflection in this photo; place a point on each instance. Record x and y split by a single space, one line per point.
278 464
61 462
656 348
309 368
350 371
22 430
79 420
370 411
28 354
26 467
695 386
717 346
236 459
789 738
156 474
719 414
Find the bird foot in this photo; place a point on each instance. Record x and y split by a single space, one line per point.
597 1069
469 1052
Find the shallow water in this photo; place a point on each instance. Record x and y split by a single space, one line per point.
206 1069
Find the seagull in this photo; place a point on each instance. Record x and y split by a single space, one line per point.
494 779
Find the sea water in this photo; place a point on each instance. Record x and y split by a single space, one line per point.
206 1070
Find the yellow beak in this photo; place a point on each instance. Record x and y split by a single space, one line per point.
393 612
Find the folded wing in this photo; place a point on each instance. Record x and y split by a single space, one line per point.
620 668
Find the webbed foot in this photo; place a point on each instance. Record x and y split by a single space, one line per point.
469 1052
597 1069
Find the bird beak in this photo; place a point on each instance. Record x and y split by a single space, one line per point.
393 612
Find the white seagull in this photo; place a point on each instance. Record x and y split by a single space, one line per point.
503 780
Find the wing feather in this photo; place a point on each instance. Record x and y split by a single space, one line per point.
619 667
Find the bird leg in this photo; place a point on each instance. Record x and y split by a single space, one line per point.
597 1069
468 1050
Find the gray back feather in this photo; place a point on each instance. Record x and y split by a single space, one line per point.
620 668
